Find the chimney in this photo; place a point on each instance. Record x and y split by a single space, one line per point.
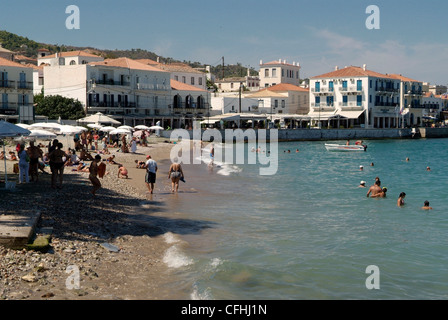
364 67
284 61
336 68
279 60
261 62
158 59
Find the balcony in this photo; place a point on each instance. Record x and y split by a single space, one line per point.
413 93
386 104
12 108
110 82
152 87
386 91
352 90
352 105
323 91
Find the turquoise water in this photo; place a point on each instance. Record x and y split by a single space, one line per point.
309 232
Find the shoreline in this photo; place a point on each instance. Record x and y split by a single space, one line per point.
81 225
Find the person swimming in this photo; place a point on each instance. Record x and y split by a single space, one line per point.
426 206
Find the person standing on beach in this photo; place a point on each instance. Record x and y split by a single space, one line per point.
151 170
57 169
133 145
24 164
93 176
35 153
175 173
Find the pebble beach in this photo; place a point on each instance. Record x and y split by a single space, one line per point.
117 253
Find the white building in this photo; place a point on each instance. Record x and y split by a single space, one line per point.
69 58
180 72
233 104
282 99
16 91
276 72
356 96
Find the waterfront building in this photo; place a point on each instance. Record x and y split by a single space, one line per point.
180 72
356 97
16 91
282 99
276 72
6 54
69 58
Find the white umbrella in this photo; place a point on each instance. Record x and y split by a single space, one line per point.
42 134
156 128
23 125
81 128
141 127
94 126
9 130
45 125
120 131
107 129
126 127
138 133
67 129
98 118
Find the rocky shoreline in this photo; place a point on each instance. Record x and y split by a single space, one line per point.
99 249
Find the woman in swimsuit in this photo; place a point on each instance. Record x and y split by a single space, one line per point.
400 201
175 173
93 176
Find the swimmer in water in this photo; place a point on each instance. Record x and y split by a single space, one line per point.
426 206
400 201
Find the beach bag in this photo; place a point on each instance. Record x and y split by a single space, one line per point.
16 168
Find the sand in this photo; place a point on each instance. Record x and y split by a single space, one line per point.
81 224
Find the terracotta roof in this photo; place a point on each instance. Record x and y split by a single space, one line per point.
352 72
179 86
8 63
172 67
281 87
402 78
72 54
280 63
125 63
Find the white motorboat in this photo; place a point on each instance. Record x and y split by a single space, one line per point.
345 148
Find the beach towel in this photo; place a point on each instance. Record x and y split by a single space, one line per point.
101 170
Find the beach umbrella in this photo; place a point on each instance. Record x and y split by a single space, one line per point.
156 128
126 127
107 129
67 129
94 126
141 127
98 118
23 125
42 134
120 131
46 126
9 130
81 128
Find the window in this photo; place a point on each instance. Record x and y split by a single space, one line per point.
344 85
344 100
73 62
176 78
4 100
317 86
200 81
184 79
331 86
330 100
359 85
274 73
275 103
192 81
266 72
283 103
359 101
317 101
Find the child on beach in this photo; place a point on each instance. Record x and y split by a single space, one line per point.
122 172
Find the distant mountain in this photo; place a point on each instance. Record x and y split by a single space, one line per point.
29 49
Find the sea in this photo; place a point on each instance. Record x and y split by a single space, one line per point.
309 231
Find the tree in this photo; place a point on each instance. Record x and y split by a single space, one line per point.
54 107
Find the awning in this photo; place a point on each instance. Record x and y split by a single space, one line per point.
350 114
321 116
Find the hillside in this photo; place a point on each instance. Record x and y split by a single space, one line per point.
29 48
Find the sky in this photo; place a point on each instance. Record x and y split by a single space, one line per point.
318 34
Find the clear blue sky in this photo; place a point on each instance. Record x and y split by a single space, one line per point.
318 34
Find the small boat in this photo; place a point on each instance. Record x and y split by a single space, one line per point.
345 148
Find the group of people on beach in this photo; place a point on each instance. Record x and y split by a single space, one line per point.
376 191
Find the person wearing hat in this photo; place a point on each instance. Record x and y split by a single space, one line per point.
362 184
151 169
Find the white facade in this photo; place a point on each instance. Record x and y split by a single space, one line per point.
223 105
16 91
356 96
276 72
68 58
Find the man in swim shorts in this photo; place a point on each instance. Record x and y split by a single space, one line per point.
151 170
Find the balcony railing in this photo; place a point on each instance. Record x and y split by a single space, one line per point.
156 87
16 84
111 82
7 84
112 105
